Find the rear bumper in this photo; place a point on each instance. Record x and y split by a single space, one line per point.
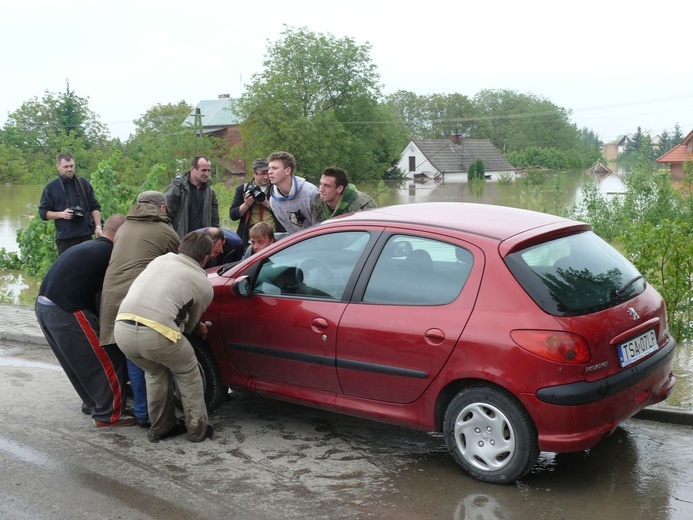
577 416
585 392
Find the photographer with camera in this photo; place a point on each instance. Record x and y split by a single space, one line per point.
251 202
69 201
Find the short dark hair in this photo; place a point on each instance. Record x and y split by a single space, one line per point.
340 176
196 245
286 158
67 157
196 160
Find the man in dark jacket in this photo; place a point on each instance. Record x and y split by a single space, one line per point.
69 201
251 202
191 201
67 310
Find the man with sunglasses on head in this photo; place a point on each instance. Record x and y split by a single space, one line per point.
191 201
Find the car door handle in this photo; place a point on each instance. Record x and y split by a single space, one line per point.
319 325
434 336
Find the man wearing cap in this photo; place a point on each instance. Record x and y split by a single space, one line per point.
251 202
146 234
192 203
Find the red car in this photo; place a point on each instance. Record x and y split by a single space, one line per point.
511 331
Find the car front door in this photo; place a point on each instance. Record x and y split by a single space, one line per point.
285 330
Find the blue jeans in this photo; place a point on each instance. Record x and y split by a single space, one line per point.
139 391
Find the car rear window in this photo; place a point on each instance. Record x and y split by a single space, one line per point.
576 274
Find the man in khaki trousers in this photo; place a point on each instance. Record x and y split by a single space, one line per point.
165 301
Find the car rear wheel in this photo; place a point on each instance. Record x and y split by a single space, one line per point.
215 392
490 434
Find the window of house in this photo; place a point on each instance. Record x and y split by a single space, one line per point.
412 163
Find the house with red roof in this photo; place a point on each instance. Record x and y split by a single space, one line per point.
678 156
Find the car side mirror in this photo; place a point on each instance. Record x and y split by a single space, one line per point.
241 286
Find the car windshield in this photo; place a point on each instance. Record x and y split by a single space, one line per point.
575 275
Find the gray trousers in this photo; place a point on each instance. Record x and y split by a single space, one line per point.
161 359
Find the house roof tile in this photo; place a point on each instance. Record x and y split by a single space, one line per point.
677 154
216 114
447 157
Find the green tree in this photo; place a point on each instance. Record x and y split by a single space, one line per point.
319 98
434 116
161 139
42 128
13 167
514 121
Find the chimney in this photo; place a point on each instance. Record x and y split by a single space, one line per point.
456 138
224 96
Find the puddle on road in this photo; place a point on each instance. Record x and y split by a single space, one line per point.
25 363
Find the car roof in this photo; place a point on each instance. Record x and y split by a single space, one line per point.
499 222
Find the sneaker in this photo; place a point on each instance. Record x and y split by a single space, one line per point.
144 423
123 421
86 409
178 429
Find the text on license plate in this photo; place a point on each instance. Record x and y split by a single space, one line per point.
637 347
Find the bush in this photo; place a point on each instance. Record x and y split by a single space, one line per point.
652 226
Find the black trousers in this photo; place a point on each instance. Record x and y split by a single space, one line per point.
98 374
65 244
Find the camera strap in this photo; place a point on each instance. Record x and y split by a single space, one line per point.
84 195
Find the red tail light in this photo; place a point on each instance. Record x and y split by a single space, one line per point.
561 347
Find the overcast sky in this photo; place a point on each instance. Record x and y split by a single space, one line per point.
615 65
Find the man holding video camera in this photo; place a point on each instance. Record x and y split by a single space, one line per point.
69 201
251 202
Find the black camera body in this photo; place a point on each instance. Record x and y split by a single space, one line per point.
256 192
77 212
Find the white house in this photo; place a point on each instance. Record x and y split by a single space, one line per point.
435 157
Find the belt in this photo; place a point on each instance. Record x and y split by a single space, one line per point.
133 322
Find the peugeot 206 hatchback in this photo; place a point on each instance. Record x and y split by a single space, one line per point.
510 331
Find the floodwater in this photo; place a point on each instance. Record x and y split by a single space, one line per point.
18 204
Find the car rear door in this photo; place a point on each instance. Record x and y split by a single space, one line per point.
410 307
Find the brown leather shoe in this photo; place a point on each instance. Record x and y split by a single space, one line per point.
123 421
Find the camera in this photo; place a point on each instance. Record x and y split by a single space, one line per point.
256 192
77 212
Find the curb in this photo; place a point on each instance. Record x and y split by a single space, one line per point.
28 339
666 415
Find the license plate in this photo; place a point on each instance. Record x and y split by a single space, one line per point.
638 347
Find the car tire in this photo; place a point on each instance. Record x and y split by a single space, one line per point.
215 392
490 434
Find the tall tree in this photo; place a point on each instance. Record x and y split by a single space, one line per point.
434 116
161 139
319 98
514 121
41 128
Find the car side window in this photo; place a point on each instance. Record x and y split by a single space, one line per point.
418 271
318 267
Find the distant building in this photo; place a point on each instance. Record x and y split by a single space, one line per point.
612 150
435 157
217 117
678 156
